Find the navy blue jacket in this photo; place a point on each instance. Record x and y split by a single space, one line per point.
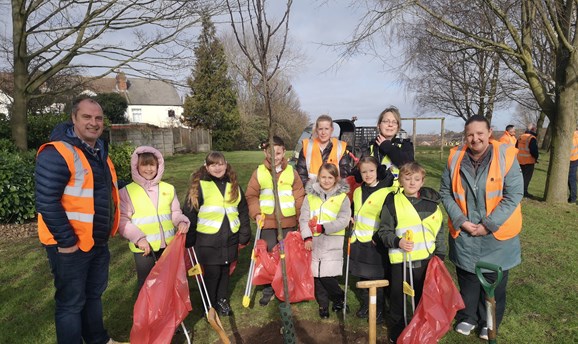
52 176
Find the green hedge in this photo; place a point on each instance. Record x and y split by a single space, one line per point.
16 186
120 154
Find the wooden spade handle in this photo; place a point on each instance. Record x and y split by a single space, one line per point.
370 284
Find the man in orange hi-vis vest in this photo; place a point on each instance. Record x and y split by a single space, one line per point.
527 145
78 210
481 189
509 136
573 168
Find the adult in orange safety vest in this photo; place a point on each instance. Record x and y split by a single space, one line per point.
481 189
78 210
509 136
320 149
528 154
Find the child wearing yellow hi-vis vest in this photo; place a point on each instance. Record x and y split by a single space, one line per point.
150 213
216 206
325 213
414 209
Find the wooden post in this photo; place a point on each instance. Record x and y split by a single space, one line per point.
372 286
414 134
443 139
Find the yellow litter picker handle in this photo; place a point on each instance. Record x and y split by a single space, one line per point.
408 235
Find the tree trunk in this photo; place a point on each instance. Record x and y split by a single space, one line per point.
18 117
541 133
547 138
562 128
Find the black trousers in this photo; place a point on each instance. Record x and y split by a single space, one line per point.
327 288
397 297
217 281
144 265
474 298
527 172
270 236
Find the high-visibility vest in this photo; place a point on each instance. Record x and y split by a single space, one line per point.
215 207
314 159
367 215
425 231
387 162
574 155
326 211
78 197
284 189
502 159
150 220
508 139
524 156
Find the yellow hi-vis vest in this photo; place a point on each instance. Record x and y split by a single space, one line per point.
284 189
215 207
326 211
367 215
153 222
424 232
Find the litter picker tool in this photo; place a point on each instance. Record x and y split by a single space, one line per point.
247 295
347 270
408 288
210 312
183 323
490 288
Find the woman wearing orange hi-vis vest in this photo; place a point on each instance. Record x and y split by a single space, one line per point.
322 148
573 168
481 189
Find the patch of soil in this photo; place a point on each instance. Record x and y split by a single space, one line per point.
18 231
307 332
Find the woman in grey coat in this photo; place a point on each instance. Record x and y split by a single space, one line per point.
325 213
481 189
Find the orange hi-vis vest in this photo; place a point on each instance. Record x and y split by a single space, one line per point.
78 197
313 157
574 155
524 156
502 159
508 139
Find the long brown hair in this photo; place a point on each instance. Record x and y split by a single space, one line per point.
202 174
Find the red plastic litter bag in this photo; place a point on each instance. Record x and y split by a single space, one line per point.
299 274
163 302
439 303
265 263
350 180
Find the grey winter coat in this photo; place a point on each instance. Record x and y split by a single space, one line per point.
327 254
467 250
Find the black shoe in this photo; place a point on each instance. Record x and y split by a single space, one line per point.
224 308
338 307
324 312
363 312
268 295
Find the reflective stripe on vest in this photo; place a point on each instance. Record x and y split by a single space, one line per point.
574 154
502 159
367 215
326 211
215 207
524 156
284 189
150 220
314 159
78 197
425 231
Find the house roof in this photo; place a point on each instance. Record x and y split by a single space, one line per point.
140 91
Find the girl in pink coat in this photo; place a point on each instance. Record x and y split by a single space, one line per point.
150 213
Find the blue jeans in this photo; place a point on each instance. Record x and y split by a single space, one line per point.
80 279
572 181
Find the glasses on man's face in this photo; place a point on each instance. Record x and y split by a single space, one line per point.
388 122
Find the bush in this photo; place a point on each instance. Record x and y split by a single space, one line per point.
120 154
16 186
40 127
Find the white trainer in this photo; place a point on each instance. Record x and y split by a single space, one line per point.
465 328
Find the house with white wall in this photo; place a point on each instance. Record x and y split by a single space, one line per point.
149 101
5 102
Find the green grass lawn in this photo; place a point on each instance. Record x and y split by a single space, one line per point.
542 292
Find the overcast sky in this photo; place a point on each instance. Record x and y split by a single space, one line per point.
362 85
